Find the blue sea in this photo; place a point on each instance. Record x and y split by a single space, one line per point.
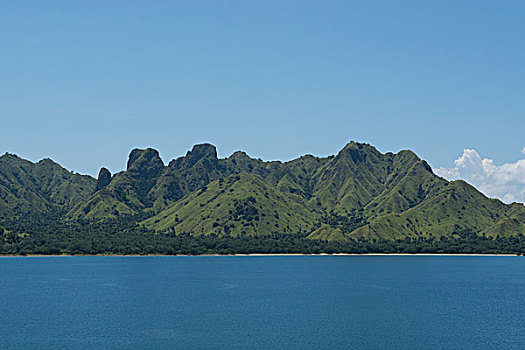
257 302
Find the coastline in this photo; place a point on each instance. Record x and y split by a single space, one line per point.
256 255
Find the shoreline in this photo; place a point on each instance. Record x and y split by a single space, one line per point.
254 255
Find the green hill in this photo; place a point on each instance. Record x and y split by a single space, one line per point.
44 187
127 192
238 205
357 194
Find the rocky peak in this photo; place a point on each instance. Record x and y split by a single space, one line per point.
357 152
204 151
104 178
145 162
239 154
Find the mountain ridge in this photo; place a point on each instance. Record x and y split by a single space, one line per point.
357 193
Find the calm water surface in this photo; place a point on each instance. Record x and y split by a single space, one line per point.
296 302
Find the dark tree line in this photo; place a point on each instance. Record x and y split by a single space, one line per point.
52 235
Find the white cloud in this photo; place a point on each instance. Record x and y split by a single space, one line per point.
506 182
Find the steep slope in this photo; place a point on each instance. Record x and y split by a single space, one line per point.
126 193
239 205
450 209
197 168
353 178
512 220
409 182
147 185
297 176
29 188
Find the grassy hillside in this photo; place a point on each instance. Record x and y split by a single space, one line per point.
357 194
29 188
127 191
236 206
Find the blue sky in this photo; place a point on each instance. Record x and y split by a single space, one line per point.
84 82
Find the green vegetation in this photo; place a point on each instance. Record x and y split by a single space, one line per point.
356 201
44 187
47 236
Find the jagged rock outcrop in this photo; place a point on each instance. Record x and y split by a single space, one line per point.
104 178
202 154
127 191
144 163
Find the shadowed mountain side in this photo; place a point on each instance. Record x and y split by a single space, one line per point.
104 178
